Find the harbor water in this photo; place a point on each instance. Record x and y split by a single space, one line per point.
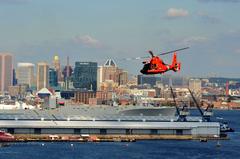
173 149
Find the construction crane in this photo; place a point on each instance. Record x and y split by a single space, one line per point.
207 113
183 113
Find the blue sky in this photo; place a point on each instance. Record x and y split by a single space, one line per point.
93 30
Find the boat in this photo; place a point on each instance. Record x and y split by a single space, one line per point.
87 112
131 110
225 128
15 105
6 137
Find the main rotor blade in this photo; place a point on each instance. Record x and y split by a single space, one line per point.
164 53
169 52
134 58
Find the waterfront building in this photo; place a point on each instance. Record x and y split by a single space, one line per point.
85 76
18 91
195 86
83 97
53 77
42 75
146 79
25 74
6 71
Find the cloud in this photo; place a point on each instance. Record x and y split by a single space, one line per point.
208 18
231 1
88 41
237 51
194 40
176 13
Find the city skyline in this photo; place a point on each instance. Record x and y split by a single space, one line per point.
35 31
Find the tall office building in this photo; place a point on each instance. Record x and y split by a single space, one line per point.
110 72
42 75
25 74
14 82
6 71
57 67
122 77
67 71
67 75
53 78
85 75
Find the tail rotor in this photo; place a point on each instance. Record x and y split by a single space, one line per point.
176 66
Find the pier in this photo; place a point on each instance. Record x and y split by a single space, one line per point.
110 129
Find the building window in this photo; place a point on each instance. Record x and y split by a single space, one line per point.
154 131
103 131
128 131
37 131
77 131
179 132
10 130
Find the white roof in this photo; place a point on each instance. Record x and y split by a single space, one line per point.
105 124
44 91
110 62
24 64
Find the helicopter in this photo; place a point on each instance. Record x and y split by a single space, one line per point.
156 65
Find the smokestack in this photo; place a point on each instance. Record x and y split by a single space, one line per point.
68 68
227 88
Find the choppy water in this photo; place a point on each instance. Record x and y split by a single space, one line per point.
137 150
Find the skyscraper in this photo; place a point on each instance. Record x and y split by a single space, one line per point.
6 71
25 74
42 75
110 72
67 71
14 82
85 75
123 77
57 67
53 78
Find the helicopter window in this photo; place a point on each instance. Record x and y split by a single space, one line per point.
153 66
146 66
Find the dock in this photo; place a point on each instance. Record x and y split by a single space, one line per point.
144 129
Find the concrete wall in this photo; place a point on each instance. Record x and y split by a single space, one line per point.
23 131
202 131
116 131
166 132
57 131
111 127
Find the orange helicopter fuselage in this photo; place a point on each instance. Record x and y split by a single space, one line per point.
157 66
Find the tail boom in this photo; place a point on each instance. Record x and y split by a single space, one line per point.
175 66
